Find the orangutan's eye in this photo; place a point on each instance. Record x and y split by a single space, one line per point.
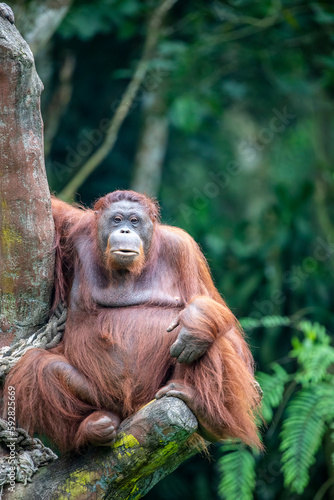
133 220
117 219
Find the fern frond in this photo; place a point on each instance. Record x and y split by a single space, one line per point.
249 323
314 362
301 437
332 439
266 321
237 469
273 321
325 406
313 331
314 354
273 389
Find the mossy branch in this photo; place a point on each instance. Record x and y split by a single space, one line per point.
150 445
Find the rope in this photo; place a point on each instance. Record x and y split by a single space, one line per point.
26 455
20 454
46 337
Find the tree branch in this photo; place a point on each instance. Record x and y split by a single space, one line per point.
150 444
59 102
122 110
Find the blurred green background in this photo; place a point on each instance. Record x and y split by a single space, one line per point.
232 130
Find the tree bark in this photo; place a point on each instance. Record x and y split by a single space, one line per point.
26 224
152 146
150 445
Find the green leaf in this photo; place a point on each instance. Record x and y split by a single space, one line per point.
266 321
273 389
274 321
314 354
301 437
314 331
237 469
315 361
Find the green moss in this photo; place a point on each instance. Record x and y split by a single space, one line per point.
78 484
9 237
126 444
125 441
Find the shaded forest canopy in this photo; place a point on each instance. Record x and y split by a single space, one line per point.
240 97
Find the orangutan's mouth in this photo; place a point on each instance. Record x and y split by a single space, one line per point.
125 251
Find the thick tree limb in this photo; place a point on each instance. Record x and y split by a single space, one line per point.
26 224
150 444
153 32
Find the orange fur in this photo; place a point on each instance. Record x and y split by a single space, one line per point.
122 353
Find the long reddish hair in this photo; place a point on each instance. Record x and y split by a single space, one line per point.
98 340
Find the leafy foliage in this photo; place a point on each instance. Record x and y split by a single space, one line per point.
237 467
86 20
273 389
266 321
301 436
308 415
311 411
315 354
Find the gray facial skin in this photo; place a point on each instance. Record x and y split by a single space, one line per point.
126 226
125 237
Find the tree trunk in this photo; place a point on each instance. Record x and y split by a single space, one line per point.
26 224
152 147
